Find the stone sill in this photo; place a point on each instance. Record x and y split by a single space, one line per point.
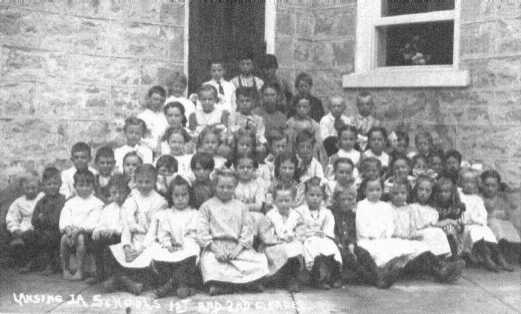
406 77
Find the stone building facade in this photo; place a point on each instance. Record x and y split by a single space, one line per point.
72 70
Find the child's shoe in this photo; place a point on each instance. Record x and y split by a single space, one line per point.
164 289
503 264
449 272
184 292
131 286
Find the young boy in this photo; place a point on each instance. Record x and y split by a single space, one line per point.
272 117
246 78
135 130
176 93
332 122
77 220
154 118
225 89
202 165
80 157
108 229
105 163
269 68
303 85
23 239
243 118
46 219
365 120
343 176
453 161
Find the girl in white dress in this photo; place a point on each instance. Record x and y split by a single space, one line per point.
176 251
478 239
228 260
139 231
321 254
284 251
377 142
347 136
179 141
208 114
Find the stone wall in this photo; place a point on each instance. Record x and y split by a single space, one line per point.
71 70
483 121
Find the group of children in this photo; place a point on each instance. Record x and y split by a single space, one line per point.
234 191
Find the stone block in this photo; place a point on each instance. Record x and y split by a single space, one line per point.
10 22
508 8
344 55
508 36
175 38
124 71
17 99
21 64
138 40
478 38
335 22
172 12
477 9
285 50
286 22
126 101
305 22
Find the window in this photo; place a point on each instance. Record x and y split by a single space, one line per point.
407 43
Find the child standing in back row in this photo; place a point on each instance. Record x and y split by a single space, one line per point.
135 130
225 89
246 77
176 93
365 120
80 157
154 118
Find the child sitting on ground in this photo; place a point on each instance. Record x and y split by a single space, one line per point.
108 228
177 251
105 163
133 253
23 240
78 218
135 130
283 249
154 118
226 236
80 157
46 219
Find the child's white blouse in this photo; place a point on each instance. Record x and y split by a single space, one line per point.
20 213
80 212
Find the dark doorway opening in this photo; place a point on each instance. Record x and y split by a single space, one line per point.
223 29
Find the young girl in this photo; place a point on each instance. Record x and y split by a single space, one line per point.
321 254
477 236
303 85
176 93
422 260
436 161
277 143
308 166
370 169
343 176
226 237
108 229
202 165
284 251
377 142
346 145
450 210
499 213
135 129
423 142
250 190
375 229
301 122
167 167
400 170
209 142
207 115
154 117
286 173
134 252
175 115
178 141
131 162
365 119
177 251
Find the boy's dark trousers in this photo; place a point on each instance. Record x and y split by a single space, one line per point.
48 243
358 268
23 248
102 255
183 273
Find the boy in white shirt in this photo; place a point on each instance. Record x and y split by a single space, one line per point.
332 122
134 129
80 157
18 221
225 89
78 218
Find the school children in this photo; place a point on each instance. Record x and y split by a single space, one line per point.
80 157
135 130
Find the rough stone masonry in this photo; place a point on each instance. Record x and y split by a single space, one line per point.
73 69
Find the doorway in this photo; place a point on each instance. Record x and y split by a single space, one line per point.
223 30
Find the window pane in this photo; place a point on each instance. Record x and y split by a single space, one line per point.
398 7
416 44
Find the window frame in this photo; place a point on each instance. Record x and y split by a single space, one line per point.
369 74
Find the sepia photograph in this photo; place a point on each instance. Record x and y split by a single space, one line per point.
260 156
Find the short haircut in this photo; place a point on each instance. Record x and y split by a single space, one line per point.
245 54
29 175
284 187
342 160
167 161
454 154
303 136
341 190
120 182
182 131
270 62
378 129
273 85
251 156
365 162
146 169
417 157
50 173
204 159
347 127
177 105
157 90
84 176
302 76
299 97
314 182
244 91
216 61
425 134
208 88
104 152
402 135
80 147
275 136
437 153
364 94
132 154
400 156
135 121
400 182
225 173
178 77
